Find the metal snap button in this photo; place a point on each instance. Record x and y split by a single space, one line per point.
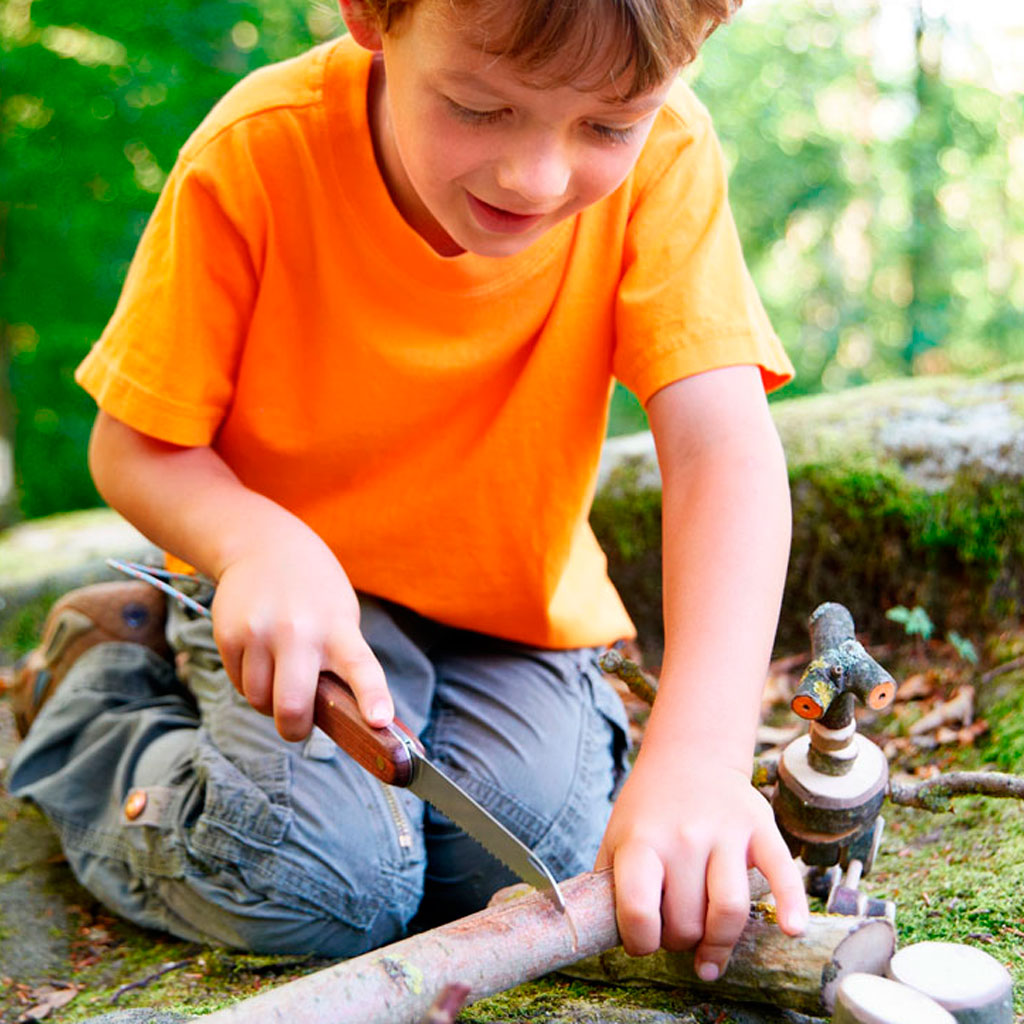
135 804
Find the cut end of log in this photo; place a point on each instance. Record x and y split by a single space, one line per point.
957 977
882 695
868 949
869 999
808 708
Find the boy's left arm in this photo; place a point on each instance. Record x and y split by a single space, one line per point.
688 822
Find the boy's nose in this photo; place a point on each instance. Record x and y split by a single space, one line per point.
539 174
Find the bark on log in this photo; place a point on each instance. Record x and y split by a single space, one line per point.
767 965
935 794
516 941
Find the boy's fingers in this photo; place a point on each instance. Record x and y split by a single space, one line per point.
295 675
728 911
356 664
255 678
771 856
684 905
638 881
231 659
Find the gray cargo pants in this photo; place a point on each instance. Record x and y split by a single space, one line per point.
182 809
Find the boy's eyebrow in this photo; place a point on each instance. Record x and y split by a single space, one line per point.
642 104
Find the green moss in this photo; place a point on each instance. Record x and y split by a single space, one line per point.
1006 739
626 518
555 998
864 535
867 537
627 513
956 877
20 631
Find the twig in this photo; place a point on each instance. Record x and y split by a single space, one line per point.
640 683
999 670
447 1005
142 982
934 794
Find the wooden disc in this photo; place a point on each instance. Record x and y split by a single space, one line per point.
958 977
869 999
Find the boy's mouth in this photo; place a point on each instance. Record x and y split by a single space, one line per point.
494 218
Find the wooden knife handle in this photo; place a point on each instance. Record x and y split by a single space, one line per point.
382 752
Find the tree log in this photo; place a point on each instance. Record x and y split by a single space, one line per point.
767 965
516 941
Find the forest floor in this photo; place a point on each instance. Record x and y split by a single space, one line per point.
954 875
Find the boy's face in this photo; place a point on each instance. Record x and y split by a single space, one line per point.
477 156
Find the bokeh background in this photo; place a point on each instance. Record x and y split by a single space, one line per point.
876 150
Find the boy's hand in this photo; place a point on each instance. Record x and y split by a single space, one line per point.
680 842
284 609
283 613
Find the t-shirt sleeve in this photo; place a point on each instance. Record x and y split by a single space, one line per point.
686 302
166 362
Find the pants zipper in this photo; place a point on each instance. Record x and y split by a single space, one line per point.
398 817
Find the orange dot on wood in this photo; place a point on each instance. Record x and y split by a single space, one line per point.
881 696
806 707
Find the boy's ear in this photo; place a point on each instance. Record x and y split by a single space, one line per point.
361 23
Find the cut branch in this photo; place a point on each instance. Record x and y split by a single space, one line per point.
521 939
934 794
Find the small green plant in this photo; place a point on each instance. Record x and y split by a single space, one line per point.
963 647
915 621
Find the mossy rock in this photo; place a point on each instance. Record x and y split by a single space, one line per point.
907 492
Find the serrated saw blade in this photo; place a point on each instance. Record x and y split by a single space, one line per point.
431 784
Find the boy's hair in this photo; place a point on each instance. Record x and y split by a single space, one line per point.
595 40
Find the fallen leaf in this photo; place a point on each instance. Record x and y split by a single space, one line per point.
958 710
48 998
915 687
969 733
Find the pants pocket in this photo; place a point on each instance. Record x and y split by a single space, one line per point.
610 707
246 807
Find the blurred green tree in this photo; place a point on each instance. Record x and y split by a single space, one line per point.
95 101
880 208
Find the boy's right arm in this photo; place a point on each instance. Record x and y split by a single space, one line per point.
284 609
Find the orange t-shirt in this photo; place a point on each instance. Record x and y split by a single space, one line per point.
438 421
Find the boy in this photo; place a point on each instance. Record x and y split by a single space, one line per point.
359 377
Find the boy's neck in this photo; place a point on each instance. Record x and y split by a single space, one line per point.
392 171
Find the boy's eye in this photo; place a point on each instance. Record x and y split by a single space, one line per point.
610 134
472 116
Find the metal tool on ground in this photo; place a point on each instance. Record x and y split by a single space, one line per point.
394 755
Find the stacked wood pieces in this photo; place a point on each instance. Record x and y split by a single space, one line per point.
974 986
929 983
